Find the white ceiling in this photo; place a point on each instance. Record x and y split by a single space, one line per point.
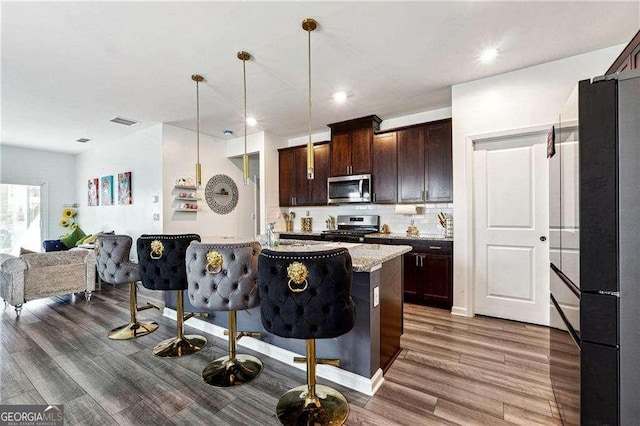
69 67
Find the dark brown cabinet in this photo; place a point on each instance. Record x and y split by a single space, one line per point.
425 153
294 187
629 59
384 168
351 145
428 274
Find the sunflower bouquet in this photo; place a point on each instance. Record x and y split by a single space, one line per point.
68 220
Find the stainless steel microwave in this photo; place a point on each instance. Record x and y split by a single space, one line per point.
349 189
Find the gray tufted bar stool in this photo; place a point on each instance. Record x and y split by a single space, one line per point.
223 277
162 267
114 267
307 295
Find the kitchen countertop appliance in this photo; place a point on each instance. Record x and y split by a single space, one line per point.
352 228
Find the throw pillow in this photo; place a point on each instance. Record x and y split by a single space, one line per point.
91 239
82 240
70 240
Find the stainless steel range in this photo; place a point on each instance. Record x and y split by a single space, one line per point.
353 228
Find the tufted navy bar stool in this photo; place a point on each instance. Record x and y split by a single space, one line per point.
307 295
114 267
162 267
223 277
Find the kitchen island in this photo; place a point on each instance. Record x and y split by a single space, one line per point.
367 350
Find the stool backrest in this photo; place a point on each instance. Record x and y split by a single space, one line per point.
112 259
161 260
306 295
223 277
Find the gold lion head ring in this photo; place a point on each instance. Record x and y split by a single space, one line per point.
156 249
298 273
214 262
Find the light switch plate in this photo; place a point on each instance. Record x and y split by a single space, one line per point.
156 217
376 296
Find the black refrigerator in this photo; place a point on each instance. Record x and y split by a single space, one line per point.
594 208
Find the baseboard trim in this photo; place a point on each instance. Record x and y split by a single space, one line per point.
345 378
462 312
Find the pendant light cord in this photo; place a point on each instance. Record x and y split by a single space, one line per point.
197 122
244 73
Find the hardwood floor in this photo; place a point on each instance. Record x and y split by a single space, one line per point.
452 370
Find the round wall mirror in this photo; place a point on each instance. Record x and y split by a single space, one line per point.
221 194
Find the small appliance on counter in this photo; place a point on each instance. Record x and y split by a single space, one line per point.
353 228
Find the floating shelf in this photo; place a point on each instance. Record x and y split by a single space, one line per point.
187 199
186 210
192 188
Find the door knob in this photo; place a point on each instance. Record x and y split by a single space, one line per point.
543 238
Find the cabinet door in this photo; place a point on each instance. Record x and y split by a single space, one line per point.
411 277
635 58
340 154
385 168
302 184
319 183
437 285
439 162
411 159
286 182
361 140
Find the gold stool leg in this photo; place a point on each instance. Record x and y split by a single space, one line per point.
234 369
134 328
181 345
312 404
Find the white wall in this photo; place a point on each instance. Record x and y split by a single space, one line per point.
520 99
54 169
179 158
140 154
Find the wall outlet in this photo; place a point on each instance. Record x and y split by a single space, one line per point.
156 217
376 296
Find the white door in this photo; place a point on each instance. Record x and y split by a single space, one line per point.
511 209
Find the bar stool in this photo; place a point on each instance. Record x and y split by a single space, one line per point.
307 295
162 267
114 267
223 277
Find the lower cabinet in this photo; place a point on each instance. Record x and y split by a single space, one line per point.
428 279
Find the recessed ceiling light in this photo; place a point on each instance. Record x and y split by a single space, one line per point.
340 97
125 121
251 121
489 55
227 132
83 140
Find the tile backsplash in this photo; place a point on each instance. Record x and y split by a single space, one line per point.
425 220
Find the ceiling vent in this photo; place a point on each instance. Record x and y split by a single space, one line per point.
124 121
83 140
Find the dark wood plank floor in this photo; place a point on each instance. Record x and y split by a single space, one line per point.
452 370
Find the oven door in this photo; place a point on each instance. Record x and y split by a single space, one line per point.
349 189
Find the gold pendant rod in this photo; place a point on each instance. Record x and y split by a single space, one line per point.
309 25
244 57
198 78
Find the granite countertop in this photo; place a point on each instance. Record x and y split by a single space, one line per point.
363 256
404 236
315 234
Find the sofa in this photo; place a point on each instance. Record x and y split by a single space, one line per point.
38 275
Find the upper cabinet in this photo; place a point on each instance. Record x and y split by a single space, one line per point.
384 168
425 154
629 59
294 187
351 146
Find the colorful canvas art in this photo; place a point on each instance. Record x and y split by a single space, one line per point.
124 188
93 192
106 191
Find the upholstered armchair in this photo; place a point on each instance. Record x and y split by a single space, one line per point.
38 275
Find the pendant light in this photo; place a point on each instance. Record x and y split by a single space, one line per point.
198 79
309 25
244 57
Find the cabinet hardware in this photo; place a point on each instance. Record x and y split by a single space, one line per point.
374 197
543 238
417 262
435 248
